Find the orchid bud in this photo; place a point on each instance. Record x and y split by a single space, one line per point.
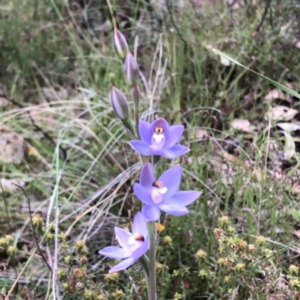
131 69
120 43
119 103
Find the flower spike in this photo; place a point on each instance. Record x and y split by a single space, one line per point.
132 245
162 194
158 138
131 69
120 43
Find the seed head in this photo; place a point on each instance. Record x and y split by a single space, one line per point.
221 261
80 247
79 286
38 221
224 222
251 248
260 240
61 274
229 261
294 282
159 266
118 294
68 260
168 240
201 255
62 237
79 274
177 296
202 274
9 239
89 295
218 233
240 267
242 245
111 277
3 242
12 250
293 269
84 260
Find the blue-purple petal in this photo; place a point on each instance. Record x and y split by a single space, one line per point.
140 225
159 123
140 251
147 176
183 198
122 236
142 194
145 132
140 147
173 135
122 265
175 210
171 180
115 252
175 151
151 213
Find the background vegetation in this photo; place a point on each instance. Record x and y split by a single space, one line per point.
60 141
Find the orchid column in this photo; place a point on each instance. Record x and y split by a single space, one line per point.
156 139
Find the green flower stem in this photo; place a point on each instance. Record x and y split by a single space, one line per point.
144 260
129 127
152 258
135 95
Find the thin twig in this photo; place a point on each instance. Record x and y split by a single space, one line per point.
268 2
55 260
111 11
33 228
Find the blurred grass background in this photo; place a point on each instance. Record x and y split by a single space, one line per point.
61 141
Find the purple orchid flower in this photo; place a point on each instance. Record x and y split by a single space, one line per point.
162 194
133 245
158 138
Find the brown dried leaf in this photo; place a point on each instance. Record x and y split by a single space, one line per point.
288 126
289 148
8 185
280 113
297 233
11 148
243 125
275 94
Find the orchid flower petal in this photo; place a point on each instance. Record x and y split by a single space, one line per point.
122 265
122 236
171 180
140 225
115 252
175 151
142 194
175 210
173 135
183 198
147 176
145 131
140 147
152 213
160 122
